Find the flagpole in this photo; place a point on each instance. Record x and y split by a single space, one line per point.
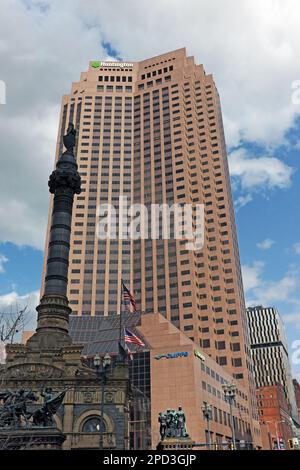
121 311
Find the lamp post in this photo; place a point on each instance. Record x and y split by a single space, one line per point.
230 392
207 411
102 365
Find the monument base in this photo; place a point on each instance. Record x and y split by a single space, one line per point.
31 438
173 443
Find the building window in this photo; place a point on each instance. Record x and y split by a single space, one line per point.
92 425
188 327
222 360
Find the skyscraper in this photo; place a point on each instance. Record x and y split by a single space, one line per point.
152 131
270 351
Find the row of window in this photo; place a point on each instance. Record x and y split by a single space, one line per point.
114 78
117 88
216 393
157 72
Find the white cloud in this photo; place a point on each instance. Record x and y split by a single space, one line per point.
253 51
43 51
242 200
13 302
251 275
265 244
3 260
259 173
297 248
293 318
260 291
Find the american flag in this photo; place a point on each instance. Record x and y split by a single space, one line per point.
129 353
132 338
128 298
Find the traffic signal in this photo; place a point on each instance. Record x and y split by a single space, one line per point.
291 444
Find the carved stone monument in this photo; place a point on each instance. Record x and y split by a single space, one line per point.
49 397
173 433
22 429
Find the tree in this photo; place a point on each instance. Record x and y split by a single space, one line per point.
11 323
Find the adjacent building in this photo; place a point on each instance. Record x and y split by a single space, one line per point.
270 352
297 395
152 131
274 414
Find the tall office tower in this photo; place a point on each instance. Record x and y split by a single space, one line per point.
269 351
152 131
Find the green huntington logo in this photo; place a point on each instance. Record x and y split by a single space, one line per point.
96 64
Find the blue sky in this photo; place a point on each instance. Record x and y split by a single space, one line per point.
253 52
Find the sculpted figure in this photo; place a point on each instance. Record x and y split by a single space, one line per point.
15 407
44 415
181 427
162 419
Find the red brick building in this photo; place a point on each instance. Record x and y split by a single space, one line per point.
297 395
274 416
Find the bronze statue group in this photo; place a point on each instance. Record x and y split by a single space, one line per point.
172 424
14 412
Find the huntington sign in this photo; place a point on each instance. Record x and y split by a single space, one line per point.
97 63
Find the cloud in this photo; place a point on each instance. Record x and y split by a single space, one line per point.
45 45
13 302
293 318
259 173
3 260
251 275
254 72
242 200
260 291
265 244
43 48
18 301
297 248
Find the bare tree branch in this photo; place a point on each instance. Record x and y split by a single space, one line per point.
12 323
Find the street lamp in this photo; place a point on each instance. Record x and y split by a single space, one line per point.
230 392
207 412
102 365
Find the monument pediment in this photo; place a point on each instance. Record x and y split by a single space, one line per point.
31 371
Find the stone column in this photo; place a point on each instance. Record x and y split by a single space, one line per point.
53 310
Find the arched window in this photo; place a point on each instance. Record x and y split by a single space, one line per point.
93 424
